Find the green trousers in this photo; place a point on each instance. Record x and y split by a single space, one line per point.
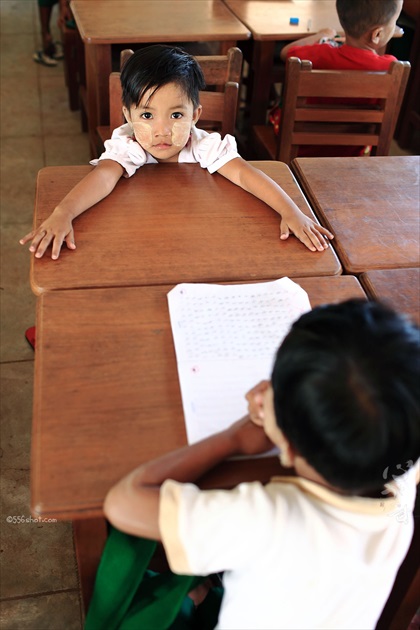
127 596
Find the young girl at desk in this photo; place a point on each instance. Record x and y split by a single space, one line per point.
160 87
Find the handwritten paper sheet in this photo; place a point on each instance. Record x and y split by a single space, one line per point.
226 337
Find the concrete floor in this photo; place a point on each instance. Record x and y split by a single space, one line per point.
39 584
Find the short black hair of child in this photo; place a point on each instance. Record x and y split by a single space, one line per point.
158 65
346 392
359 16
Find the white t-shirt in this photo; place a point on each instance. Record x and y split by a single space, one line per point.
295 554
208 149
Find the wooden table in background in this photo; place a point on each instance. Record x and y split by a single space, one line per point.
370 204
173 223
269 21
399 288
105 22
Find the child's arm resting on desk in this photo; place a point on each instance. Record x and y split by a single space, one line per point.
58 227
132 505
325 33
293 220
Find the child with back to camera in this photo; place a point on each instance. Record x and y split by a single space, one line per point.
322 549
161 105
368 26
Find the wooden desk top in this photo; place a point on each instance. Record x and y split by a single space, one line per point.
270 19
106 393
399 288
173 223
371 205
125 21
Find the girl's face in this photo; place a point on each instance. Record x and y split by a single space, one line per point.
162 122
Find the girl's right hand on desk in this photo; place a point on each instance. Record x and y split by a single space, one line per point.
57 229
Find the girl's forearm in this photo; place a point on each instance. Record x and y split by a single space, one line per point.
260 185
97 185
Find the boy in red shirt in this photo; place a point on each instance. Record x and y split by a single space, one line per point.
368 26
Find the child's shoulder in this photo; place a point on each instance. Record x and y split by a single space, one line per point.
123 132
319 53
330 57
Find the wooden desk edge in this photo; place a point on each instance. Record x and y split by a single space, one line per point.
225 476
229 36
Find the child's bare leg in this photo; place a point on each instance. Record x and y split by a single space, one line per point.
200 592
47 41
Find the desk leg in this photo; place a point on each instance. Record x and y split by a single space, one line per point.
89 540
262 68
224 46
98 68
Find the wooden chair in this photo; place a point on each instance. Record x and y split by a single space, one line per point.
222 74
332 123
409 121
69 38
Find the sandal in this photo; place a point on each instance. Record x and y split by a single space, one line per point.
43 59
30 336
58 51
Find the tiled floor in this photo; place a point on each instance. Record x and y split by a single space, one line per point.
39 585
39 578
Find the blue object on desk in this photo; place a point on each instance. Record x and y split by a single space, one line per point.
294 20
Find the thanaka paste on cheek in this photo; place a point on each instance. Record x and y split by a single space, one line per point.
143 133
181 132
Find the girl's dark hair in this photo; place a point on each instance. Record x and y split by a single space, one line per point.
158 65
359 16
346 392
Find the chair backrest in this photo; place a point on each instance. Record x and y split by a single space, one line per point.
220 99
316 109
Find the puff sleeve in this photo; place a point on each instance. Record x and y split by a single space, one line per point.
212 151
125 150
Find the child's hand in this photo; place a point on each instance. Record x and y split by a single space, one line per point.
314 236
255 398
248 438
56 229
326 33
398 31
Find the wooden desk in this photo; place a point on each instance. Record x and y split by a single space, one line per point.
371 205
269 21
106 22
106 392
400 288
173 223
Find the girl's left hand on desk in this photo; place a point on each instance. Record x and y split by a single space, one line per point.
314 236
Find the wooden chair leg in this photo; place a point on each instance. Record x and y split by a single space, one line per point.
89 539
70 66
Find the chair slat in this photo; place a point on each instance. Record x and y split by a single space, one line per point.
345 85
327 139
339 115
